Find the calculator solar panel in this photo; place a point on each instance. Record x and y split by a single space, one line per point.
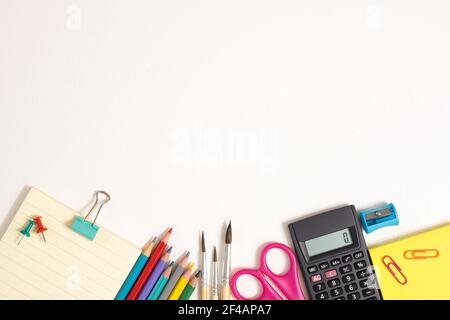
333 256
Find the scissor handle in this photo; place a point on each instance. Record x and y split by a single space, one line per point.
289 282
268 293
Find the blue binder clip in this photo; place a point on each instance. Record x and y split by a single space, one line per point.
85 227
375 219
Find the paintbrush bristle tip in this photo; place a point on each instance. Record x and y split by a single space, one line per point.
228 234
214 254
203 243
170 230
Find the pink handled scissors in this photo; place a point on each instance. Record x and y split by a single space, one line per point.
287 284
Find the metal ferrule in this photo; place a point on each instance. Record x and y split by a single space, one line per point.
204 278
226 266
215 280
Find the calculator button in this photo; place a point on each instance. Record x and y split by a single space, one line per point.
368 292
336 292
348 278
345 269
322 296
372 298
347 259
362 274
364 283
358 255
331 274
316 278
351 287
335 262
319 287
324 265
333 283
360 264
312 269
342 298
353 296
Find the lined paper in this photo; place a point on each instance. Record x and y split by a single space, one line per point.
68 265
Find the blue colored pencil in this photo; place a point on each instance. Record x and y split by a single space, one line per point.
161 283
135 271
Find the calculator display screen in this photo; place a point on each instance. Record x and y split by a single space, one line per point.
329 242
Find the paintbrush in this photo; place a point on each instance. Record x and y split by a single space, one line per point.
215 277
226 271
204 274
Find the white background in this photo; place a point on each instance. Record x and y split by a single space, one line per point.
191 113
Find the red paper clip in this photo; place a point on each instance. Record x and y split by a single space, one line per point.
421 254
397 272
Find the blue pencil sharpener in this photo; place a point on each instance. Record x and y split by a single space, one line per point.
378 218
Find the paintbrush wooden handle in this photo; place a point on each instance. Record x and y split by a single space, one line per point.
225 293
204 293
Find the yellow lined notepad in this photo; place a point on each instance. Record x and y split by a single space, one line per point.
68 265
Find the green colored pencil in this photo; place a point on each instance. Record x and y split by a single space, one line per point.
187 292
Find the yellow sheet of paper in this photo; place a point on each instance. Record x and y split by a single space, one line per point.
68 266
427 278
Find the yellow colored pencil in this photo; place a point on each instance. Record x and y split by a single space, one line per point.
182 282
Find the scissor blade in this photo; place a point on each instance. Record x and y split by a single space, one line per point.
275 287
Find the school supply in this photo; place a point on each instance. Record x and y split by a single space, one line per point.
421 254
214 277
415 267
394 269
204 274
161 283
375 219
85 227
274 286
181 283
26 231
41 229
333 256
174 277
154 276
136 270
187 292
146 272
70 266
226 270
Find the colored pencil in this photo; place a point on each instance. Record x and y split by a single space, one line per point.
154 276
161 283
146 272
181 283
136 270
176 274
187 292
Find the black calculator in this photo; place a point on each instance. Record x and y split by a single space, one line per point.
333 256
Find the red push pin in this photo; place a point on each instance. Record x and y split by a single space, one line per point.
41 229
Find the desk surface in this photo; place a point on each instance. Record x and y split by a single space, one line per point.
192 113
